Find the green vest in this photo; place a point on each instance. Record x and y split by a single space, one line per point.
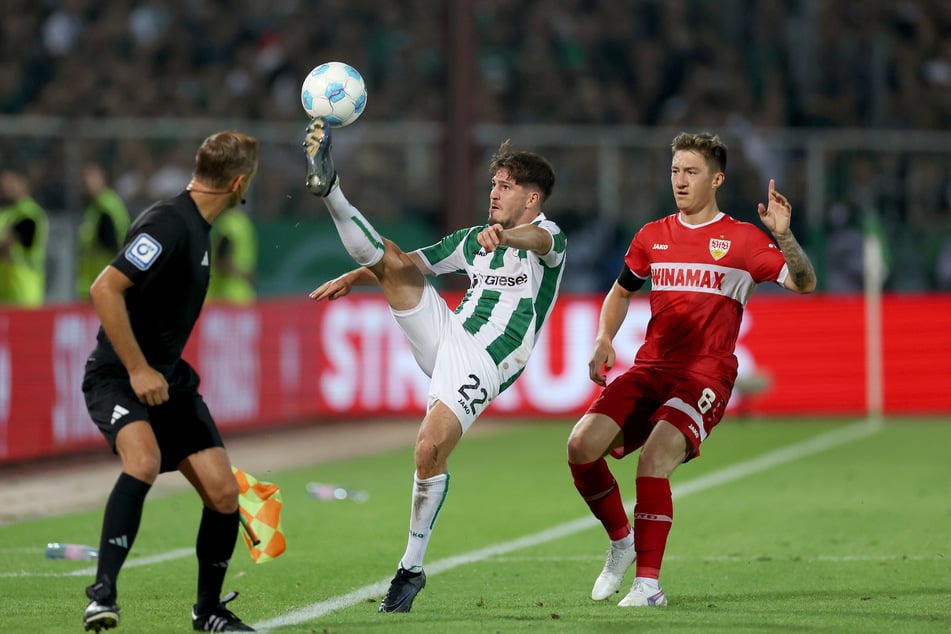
236 227
93 255
23 271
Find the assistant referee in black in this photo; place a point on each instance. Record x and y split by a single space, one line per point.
144 397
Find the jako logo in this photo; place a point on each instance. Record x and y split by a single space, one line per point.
658 246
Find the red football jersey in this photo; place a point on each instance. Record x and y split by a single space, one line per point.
701 277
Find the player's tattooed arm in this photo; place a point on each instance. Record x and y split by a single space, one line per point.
776 216
802 275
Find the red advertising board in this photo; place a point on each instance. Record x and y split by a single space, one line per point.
288 360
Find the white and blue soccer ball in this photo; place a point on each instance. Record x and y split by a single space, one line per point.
334 91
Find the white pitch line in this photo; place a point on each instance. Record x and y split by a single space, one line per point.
835 559
814 445
91 570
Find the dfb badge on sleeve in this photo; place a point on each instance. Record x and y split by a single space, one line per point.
143 251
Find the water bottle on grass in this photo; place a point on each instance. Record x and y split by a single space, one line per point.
325 492
79 552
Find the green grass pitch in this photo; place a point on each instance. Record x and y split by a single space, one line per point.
780 526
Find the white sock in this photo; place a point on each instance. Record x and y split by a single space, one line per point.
651 583
359 237
428 498
623 543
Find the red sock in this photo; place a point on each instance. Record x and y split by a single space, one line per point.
599 489
653 516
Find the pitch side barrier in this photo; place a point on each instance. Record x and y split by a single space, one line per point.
288 360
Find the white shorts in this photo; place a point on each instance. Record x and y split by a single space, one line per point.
463 375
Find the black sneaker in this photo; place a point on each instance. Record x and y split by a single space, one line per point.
221 619
102 613
321 174
403 589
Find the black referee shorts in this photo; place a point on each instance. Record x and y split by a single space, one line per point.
182 425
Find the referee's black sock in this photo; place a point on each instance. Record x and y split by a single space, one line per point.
120 524
217 535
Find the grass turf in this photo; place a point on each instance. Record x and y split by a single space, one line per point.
853 538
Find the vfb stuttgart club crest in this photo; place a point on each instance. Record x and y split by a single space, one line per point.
719 247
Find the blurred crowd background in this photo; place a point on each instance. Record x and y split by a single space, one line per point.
867 82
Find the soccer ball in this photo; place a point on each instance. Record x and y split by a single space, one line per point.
334 91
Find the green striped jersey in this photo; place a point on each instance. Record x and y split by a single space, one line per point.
511 292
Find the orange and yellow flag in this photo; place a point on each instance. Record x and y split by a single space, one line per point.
259 504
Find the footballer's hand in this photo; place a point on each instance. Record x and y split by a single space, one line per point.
490 238
149 386
602 360
334 289
776 213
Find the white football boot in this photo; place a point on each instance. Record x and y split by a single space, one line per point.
643 594
612 575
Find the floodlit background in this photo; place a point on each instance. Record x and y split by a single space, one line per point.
845 104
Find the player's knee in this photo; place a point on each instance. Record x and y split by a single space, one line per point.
587 442
426 453
390 248
578 452
392 263
224 497
429 462
142 466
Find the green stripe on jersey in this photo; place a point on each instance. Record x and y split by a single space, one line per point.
498 258
443 249
511 380
560 242
482 311
546 294
514 335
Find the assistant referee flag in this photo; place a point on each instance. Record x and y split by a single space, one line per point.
259 504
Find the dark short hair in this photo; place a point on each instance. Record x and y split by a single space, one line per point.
708 145
525 168
224 155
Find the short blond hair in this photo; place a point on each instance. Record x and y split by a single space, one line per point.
708 145
225 155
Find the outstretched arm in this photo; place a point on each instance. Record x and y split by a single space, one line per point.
776 216
341 286
526 237
362 276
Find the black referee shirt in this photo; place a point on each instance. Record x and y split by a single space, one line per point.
167 255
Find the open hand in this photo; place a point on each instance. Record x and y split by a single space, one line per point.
334 289
776 214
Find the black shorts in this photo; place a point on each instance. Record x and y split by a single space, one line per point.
182 425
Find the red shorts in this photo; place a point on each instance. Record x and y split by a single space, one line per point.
641 397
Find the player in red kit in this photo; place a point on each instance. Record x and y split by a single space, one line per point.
703 265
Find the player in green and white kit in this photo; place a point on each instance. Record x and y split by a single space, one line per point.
514 264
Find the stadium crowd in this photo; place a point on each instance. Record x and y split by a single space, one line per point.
784 63
735 65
